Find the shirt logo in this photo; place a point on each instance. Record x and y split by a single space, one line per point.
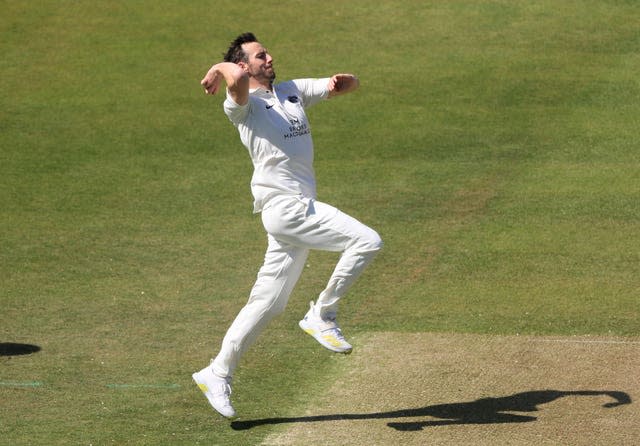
269 106
297 128
293 99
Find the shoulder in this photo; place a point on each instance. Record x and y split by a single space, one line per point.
312 90
236 112
287 86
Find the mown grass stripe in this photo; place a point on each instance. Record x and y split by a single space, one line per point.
587 341
143 386
20 383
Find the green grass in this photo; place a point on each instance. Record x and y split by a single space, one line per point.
493 145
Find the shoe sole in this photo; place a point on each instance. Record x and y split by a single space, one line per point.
326 341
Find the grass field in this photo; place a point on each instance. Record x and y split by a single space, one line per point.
493 145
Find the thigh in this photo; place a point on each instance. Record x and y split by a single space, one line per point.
282 261
313 225
331 229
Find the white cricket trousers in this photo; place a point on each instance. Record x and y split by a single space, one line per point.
295 225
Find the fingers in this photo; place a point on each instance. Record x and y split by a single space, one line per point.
337 81
208 89
343 76
210 83
333 82
342 83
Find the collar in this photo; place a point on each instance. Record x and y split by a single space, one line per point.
262 91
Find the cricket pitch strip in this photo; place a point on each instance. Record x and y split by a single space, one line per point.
453 389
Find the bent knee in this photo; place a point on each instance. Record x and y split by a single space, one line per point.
377 242
371 242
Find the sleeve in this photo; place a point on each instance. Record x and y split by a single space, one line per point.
236 113
312 90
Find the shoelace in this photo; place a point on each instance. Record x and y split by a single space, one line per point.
224 390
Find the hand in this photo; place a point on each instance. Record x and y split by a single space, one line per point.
342 83
211 81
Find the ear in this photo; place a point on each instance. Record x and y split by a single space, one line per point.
244 66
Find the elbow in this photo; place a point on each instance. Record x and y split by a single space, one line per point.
238 78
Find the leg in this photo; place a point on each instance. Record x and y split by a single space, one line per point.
282 267
316 225
333 230
309 224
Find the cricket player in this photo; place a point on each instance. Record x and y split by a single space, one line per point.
273 126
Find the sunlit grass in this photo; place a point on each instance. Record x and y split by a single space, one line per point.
492 144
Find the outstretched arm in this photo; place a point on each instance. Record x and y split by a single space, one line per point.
342 84
235 77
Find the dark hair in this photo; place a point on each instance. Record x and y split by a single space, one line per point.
235 53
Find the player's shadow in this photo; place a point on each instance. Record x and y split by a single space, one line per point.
482 411
14 349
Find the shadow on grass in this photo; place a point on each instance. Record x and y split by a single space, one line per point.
13 349
482 411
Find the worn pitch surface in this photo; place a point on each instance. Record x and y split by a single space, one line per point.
452 389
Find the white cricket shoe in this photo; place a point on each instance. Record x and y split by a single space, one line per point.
325 331
217 390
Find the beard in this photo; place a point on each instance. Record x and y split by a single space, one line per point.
264 74
269 74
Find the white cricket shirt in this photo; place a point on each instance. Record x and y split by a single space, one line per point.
274 128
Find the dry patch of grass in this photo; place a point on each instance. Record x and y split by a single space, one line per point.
416 389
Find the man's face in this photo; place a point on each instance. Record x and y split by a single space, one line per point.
260 62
